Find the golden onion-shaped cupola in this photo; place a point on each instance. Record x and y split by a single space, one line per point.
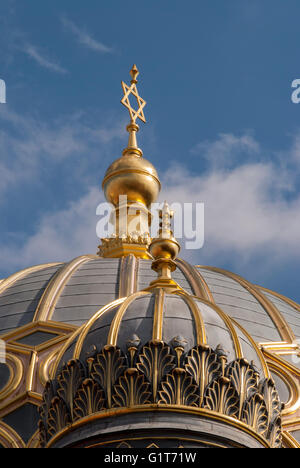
131 185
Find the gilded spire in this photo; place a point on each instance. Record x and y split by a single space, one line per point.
131 184
133 128
164 250
132 90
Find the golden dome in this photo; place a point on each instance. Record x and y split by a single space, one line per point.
133 176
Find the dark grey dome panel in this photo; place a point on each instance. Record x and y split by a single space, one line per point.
18 303
178 320
241 305
137 319
291 315
145 274
93 285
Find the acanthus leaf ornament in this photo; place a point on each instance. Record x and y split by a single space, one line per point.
275 433
131 389
204 365
221 397
274 406
107 367
244 379
58 416
255 413
155 360
69 380
155 375
89 399
179 388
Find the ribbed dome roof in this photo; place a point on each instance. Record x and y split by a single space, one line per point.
75 304
71 293
156 315
158 350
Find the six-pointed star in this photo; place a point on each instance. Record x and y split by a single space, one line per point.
134 114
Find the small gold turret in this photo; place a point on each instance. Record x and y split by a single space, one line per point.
131 184
164 249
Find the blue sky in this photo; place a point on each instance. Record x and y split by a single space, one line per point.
221 126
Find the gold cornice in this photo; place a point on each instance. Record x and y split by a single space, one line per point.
280 346
132 171
291 424
118 247
280 323
49 299
206 414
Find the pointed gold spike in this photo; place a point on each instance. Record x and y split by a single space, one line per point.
134 74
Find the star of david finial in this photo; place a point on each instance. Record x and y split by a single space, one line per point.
133 91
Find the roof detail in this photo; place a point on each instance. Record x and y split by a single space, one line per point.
72 293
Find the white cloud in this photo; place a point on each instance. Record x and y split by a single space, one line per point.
247 212
27 144
226 149
40 58
84 37
60 236
249 221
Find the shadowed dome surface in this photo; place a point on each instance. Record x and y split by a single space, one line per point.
137 317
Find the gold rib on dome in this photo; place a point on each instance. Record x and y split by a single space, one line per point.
279 321
51 295
131 185
8 282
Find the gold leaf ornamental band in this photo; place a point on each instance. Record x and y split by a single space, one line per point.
132 90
